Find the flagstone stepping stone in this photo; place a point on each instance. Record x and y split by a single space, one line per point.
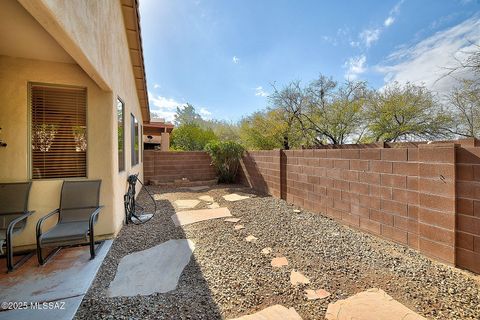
239 227
273 313
250 238
234 197
371 304
187 204
213 205
297 278
198 188
206 198
267 250
316 294
234 220
156 269
279 262
183 218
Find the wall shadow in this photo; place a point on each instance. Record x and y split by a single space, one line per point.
192 299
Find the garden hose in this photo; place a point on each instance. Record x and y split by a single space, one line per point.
135 213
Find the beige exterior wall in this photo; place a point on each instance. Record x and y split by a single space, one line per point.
93 34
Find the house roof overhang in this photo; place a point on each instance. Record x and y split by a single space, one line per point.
131 17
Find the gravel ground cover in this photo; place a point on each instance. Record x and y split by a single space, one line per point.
228 277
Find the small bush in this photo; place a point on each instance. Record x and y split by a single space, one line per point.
226 159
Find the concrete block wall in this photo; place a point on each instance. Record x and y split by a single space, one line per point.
407 194
168 166
468 208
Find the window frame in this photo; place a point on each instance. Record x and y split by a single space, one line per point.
123 144
31 84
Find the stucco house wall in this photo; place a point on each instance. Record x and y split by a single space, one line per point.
93 34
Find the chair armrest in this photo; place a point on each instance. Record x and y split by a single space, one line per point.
12 223
42 220
93 215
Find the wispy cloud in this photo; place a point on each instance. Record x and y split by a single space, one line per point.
355 66
426 62
260 92
164 107
156 86
389 21
235 60
370 36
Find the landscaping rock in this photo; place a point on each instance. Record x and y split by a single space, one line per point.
279 262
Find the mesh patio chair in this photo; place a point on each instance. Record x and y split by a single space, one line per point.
78 213
13 218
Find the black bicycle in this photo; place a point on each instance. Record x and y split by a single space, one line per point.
135 213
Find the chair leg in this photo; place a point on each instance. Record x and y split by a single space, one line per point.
9 247
42 260
39 253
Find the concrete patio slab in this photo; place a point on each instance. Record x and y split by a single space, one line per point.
63 309
183 218
234 220
251 238
56 281
234 197
297 278
239 227
279 262
187 204
273 313
156 269
371 304
316 294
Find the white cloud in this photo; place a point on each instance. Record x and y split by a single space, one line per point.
355 66
260 92
235 60
389 21
207 115
426 62
369 36
164 107
156 86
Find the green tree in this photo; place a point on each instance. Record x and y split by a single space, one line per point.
191 137
187 115
325 111
402 112
465 101
270 129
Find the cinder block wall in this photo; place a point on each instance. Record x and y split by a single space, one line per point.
407 194
168 166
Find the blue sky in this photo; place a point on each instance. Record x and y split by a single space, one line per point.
222 56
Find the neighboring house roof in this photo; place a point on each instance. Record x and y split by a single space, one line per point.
131 18
159 125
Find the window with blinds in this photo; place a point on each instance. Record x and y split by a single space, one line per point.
58 131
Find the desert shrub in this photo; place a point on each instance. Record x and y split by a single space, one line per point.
226 157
